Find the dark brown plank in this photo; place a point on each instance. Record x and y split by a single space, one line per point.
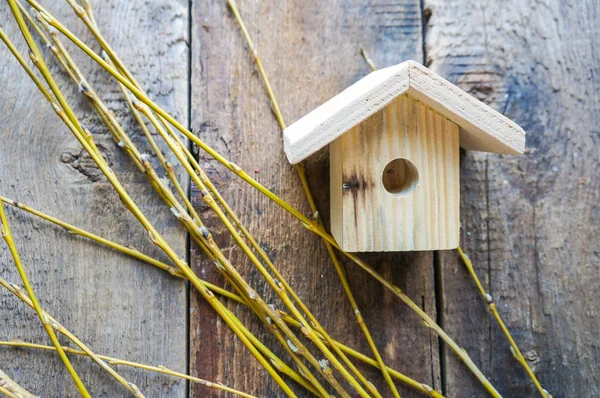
531 222
311 51
116 305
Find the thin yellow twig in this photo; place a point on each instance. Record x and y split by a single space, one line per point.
516 352
20 294
66 114
8 393
368 59
11 389
7 235
115 361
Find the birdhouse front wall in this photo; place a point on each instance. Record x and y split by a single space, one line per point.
395 181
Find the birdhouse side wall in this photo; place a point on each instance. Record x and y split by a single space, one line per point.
365 216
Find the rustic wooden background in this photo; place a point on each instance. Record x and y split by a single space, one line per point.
530 223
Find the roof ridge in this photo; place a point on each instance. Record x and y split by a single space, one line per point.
482 127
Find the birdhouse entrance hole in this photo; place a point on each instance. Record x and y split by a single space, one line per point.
400 177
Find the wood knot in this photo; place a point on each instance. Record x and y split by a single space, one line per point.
83 163
532 356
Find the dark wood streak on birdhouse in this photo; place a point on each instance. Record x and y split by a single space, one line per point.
353 184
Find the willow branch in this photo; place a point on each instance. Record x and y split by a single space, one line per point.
115 361
516 352
7 235
66 114
368 59
11 389
58 327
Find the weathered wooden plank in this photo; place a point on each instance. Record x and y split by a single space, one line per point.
530 223
118 306
311 51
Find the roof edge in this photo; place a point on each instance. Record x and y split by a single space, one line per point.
347 109
481 127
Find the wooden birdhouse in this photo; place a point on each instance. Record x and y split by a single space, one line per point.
394 141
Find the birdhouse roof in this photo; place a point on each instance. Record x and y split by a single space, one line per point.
481 127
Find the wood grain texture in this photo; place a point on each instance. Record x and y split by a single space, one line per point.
311 51
365 215
481 127
118 306
530 223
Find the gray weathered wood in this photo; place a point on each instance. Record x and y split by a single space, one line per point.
531 222
118 306
311 51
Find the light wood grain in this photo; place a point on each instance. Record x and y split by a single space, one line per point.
531 223
482 128
364 215
118 306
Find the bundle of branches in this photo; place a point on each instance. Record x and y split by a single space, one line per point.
323 365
